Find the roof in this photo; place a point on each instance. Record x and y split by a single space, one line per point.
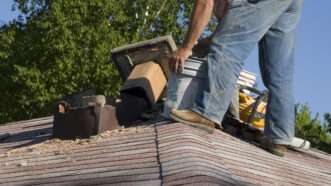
162 153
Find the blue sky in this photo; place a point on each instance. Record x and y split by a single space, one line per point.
313 55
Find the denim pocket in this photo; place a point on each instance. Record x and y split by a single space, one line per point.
236 3
253 1
240 3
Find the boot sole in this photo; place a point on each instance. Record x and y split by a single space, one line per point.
192 124
271 149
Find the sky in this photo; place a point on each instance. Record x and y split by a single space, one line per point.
313 54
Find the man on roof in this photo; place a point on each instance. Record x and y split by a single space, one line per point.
270 24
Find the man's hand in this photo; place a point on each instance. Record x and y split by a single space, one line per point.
202 48
202 12
178 59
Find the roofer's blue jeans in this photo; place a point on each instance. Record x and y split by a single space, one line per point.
271 24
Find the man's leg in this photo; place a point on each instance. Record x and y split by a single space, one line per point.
233 110
276 51
237 34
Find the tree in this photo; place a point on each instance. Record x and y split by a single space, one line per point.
310 128
327 122
59 47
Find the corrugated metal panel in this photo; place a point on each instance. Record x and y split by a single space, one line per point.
247 78
164 153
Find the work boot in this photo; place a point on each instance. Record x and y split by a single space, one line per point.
193 119
276 149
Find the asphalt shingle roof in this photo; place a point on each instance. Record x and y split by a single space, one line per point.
162 153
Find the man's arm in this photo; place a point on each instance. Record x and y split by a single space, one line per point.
201 15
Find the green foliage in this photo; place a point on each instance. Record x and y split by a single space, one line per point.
311 128
59 47
327 122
